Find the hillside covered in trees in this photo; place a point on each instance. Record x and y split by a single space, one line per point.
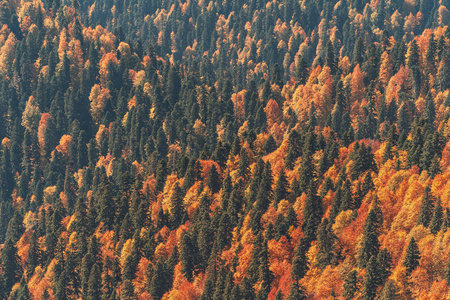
161 149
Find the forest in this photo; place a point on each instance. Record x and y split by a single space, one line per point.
224 150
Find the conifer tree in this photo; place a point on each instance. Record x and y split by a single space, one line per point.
312 214
294 149
301 72
11 267
94 283
34 255
188 255
412 257
281 189
384 262
426 208
296 292
158 284
371 279
436 220
213 180
370 244
389 291
300 263
326 244
350 285
106 203
176 206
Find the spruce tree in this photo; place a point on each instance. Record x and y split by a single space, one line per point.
281 189
426 208
94 283
436 220
350 285
389 291
370 244
300 264
326 243
296 292
412 257
158 283
213 180
371 279
11 267
106 203
176 206
384 265
312 214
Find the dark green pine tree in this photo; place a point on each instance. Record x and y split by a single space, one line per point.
293 150
220 284
384 265
12 270
430 112
297 292
265 274
389 291
346 197
276 77
336 118
330 60
326 240
306 172
446 219
22 293
264 194
132 261
176 206
107 280
443 77
430 54
94 284
426 208
158 284
267 91
363 160
82 150
301 72
270 145
244 164
351 285
161 143
213 180
86 264
70 189
312 214
371 279
358 52
161 175
300 264
127 291
106 209
436 220
412 257
370 244
447 272
61 287
173 85
193 173
281 189
34 255
188 255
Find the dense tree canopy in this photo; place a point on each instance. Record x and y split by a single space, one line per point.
209 150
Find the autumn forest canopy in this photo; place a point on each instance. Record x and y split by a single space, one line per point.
224 150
